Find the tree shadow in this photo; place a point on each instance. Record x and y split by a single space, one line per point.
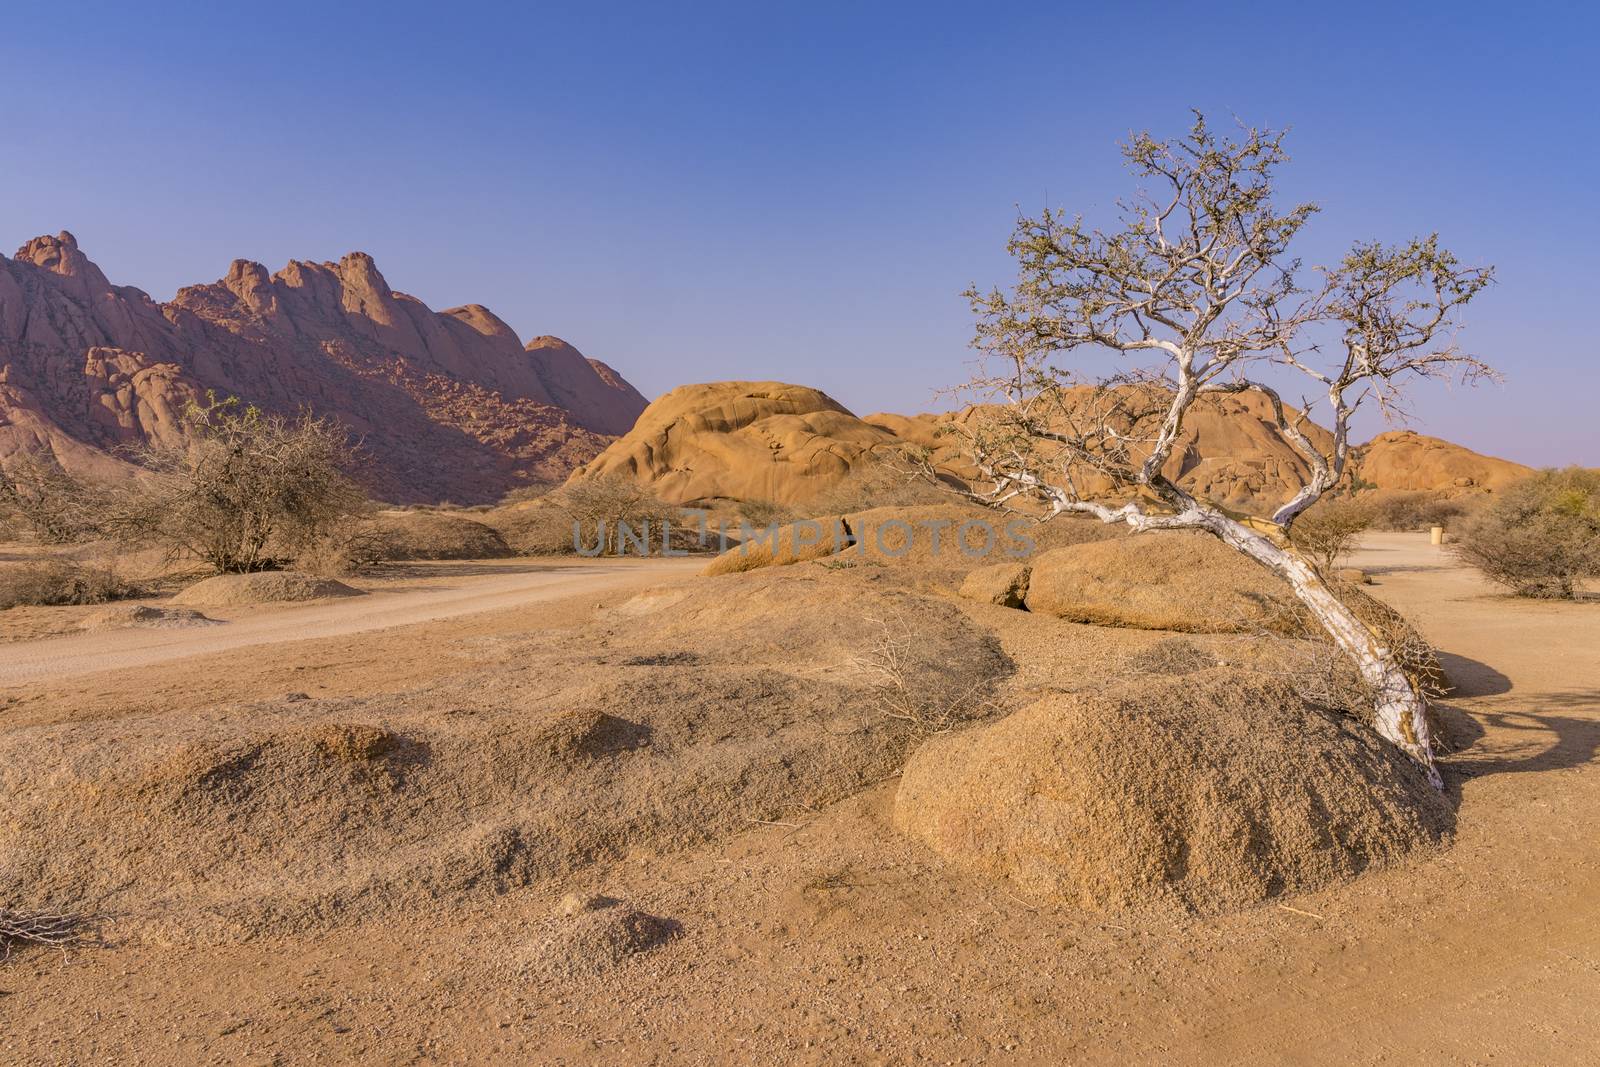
1457 730
1570 741
1378 570
1560 730
1563 732
1470 678
457 568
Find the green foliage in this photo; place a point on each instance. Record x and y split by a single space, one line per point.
1540 537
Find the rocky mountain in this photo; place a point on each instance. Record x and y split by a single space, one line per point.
701 444
448 405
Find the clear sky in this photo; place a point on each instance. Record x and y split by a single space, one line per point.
800 191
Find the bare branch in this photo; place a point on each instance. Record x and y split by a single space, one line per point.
1196 294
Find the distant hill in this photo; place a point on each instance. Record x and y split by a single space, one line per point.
1405 459
700 444
449 405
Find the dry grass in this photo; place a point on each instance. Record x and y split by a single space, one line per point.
63 581
723 699
261 587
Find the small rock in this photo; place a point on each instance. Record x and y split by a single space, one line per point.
577 903
598 934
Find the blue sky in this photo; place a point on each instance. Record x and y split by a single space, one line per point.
801 191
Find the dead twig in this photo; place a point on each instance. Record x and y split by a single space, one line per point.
910 689
55 929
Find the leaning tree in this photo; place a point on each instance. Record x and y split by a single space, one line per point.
1195 294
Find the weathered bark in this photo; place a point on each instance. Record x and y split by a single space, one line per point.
1399 710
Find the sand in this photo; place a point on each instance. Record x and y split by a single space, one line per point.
452 592
261 587
822 935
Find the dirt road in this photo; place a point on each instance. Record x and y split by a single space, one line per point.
66 657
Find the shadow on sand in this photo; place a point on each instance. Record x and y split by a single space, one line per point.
1563 731
1470 678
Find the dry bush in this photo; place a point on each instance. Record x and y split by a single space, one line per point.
36 493
432 535
1290 645
597 509
249 492
1541 536
54 929
1329 529
576 513
929 701
526 494
883 483
1170 655
346 546
764 513
1406 511
63 581
542 530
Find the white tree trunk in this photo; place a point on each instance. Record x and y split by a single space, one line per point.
1399 712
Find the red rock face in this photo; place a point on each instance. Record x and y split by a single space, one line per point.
448 405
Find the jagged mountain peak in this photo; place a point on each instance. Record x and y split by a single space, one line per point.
450 405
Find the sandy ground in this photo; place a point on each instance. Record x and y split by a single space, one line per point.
828 939
431 592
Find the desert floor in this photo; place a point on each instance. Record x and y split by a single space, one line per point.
419 593
826 937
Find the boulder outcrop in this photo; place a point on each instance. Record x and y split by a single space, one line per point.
742 441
